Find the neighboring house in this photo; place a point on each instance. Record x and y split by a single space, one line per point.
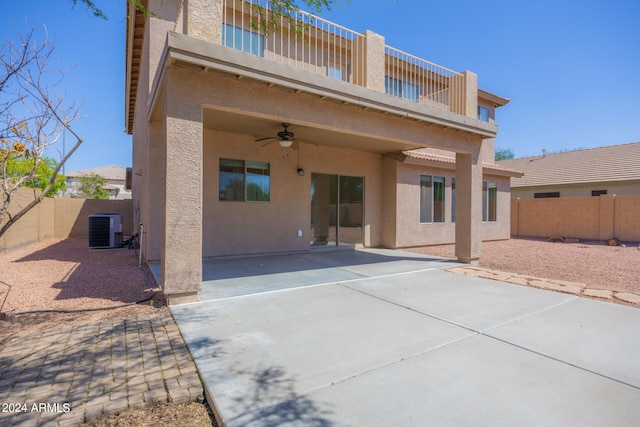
590 172
115 176
205 91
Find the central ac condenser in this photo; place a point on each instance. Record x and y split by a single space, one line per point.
105 230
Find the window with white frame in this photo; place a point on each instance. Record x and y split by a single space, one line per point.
489 201
338 67
483 113
244 181
401 89
431 199
244 40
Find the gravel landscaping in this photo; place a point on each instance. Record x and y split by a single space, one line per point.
598 266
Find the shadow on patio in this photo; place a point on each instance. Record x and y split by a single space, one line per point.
231 277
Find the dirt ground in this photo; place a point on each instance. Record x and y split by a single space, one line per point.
66 274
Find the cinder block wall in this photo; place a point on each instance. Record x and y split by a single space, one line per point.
627 218
593 218
59 218
72 215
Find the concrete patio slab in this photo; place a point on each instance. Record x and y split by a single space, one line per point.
402 342
473 382
596 336
223 278
470 302
289 343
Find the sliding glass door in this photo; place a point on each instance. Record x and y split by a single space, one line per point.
337 210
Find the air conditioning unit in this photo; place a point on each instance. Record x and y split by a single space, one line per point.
105 230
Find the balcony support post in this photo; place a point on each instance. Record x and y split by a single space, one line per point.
202 19
470 94
468 230
374 61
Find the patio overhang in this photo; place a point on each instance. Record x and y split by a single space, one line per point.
204 57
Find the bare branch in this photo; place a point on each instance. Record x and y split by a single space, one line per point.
32 119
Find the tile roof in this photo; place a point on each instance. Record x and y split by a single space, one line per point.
499 101
603 164
447 160
111 172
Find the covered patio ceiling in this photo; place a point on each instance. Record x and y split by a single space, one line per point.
264 127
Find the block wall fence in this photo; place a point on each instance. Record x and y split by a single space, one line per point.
60 218
589 218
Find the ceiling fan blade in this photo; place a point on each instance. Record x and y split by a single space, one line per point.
266 138
270 142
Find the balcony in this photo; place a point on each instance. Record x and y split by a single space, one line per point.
310 43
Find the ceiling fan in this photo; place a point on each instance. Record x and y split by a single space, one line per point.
285 138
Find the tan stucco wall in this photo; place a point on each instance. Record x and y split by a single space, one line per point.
595 218
172 183
578 190
410 232
235 228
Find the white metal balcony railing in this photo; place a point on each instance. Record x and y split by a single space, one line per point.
421 81
317 45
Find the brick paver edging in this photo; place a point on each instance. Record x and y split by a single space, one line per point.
574 288
67 375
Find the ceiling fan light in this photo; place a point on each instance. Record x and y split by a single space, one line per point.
285 143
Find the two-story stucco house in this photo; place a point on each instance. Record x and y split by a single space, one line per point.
250 143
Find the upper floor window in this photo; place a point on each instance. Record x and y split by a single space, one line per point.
483 113
244 40
546 195
489 201
431 198
596 193
401 89
244 180
337 67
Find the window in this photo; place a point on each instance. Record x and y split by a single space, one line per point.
337 67
546 195
453 200
240 181
483 114
489 201
244 40
596 193
431 199
401 89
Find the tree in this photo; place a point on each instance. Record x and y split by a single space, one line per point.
504 154
21 166
270 12
279 6
92 187
32 119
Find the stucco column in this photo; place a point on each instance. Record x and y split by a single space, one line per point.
471 94
469 206
464 94
154 174
374 61
203 19
182 228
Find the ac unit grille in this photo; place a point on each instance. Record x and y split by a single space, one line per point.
99 233
105 231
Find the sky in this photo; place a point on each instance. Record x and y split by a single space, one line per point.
571 68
